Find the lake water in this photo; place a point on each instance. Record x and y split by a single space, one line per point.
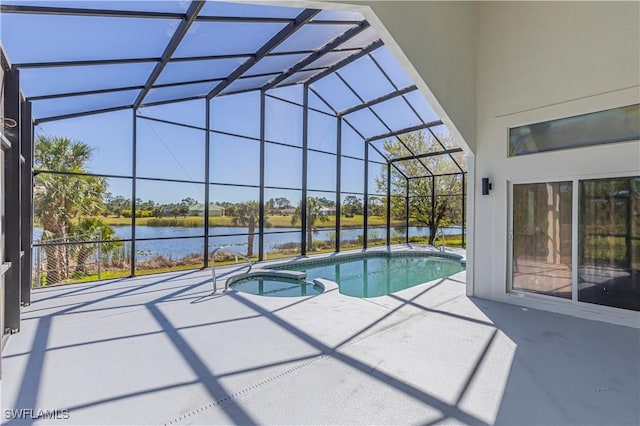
192 241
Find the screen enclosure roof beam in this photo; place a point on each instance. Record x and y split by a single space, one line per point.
347 35
380 99
274 42
178 35
427 154
405 130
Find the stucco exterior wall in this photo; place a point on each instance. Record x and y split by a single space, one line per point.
539 61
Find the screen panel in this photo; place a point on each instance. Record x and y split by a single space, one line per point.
182 71
50 38
169 151
225 38
238 114
234 160
171 209
283 166
59 80
283 122
84 103
154 256
108 137
311 37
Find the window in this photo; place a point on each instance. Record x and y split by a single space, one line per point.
613 125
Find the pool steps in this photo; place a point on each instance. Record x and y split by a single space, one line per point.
326 284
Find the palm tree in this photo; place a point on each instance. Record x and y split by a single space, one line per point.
86 229
314 213
247 214
60 198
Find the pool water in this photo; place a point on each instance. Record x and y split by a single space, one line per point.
380 275
276 287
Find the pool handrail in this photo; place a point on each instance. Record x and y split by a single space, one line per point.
213 264
441 233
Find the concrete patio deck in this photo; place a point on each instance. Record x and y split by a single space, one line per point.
162 349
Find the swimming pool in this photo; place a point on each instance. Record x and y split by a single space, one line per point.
377 274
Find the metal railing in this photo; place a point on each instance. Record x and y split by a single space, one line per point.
213 264
441 233
81 253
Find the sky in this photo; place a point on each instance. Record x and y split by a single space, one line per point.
173 152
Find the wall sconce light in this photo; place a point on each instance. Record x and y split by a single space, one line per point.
486 186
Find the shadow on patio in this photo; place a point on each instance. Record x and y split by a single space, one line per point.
162 349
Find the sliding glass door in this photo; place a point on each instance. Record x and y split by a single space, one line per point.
609 242
605 269
542 238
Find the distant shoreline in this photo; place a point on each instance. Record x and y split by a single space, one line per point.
356 221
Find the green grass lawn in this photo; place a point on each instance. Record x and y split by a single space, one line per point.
278 221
